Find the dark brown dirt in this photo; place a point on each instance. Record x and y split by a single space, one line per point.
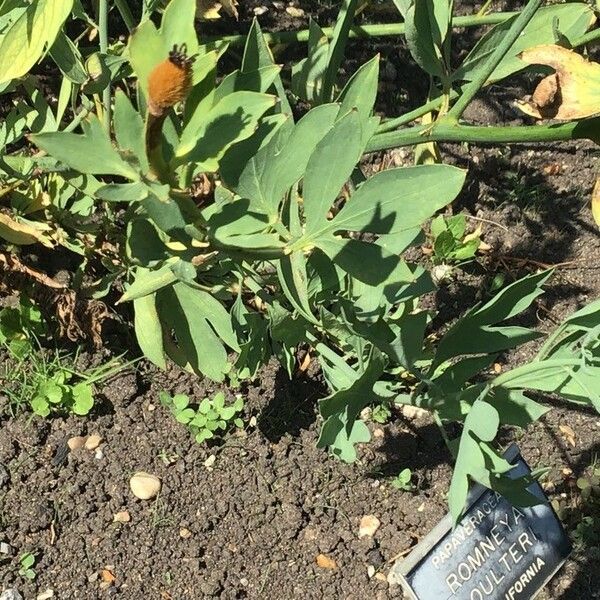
255 520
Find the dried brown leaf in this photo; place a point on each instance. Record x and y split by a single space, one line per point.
571 92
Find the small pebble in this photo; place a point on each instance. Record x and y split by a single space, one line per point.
294 12
46 595
92 442
144 485
99 455
11 594
370 571
77 442
260 10
413 412
185 533
5 548
369 524
210 461
122 517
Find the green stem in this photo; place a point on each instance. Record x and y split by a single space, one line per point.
361 31
126 14
79 117
448 132
395 123
590 36
508 379
408 117
103 33
440 424
484 73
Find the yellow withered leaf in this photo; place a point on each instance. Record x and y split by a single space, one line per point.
210 9
596 202
571 92
21 234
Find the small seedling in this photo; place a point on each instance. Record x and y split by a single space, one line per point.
58 392
26 562
381 414
403 481
49 384
450 242
590 485
168 458
20 326
211 415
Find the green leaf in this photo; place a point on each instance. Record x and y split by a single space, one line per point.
208 136
515 408
427 24
361 91
281 163
239 155
470 461
213 311
91 153
122 192
146 49
258 55
337 47
328 169
399 199
291 271
83 398
40 406
474 334
27 36
309 74
148 330
178 25
68 59
147 282
129 129
408 346
573 20
341 430
368 263
251 81
197 346
185 415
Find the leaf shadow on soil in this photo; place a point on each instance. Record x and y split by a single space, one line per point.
292 407
585 582
419 448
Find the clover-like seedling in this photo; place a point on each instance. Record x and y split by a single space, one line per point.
211 415
26 562
56 394
403 481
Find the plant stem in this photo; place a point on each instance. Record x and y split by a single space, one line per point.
590 36
448 132
440 424
126 14
484 73
103 33
408 117
361 31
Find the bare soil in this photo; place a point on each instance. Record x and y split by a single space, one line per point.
251 523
